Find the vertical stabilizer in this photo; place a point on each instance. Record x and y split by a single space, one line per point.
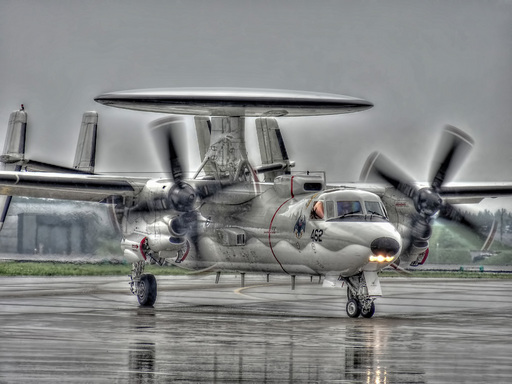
14 146
13 154
85 155
204 131
272 148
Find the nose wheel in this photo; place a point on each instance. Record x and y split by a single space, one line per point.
368 311
354 309
359 303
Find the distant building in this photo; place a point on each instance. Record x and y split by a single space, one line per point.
47 226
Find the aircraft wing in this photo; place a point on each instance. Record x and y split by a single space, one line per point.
453 193
474 193
68 186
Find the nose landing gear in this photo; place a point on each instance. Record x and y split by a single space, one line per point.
355 307
360 303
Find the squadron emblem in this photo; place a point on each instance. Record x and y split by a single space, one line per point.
300 226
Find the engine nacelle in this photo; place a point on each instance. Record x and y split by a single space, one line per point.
134 247
166 195
167 234
143 246
159 243
177 227
416 255
419 232
155 195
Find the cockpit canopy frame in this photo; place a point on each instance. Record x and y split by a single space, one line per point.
347 205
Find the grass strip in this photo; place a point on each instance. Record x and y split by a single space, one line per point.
16 268
78 269
449 275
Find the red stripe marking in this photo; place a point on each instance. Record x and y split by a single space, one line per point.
270 232
186 252
141 249
424 258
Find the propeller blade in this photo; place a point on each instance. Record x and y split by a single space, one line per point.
174 161
165 134
449 212
378 165
452 150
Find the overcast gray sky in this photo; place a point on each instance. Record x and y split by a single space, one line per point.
423 64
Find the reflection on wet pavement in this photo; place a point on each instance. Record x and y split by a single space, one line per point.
202 332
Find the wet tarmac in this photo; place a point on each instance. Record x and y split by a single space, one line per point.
90 330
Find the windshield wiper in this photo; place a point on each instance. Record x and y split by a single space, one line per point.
376 214
347 214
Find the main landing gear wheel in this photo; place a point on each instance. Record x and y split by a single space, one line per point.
353 308
146 290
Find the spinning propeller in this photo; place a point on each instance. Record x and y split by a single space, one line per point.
428 201
181 197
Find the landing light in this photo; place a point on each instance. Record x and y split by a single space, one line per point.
381 258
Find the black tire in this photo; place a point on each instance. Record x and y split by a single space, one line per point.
146 291
368 314
353 308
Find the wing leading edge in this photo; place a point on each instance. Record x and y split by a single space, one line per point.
461 194
69 187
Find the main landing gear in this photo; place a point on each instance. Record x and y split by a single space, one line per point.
143 285
359 301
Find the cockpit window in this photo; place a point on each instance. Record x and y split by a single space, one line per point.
374 208
346 208
351 209
317 212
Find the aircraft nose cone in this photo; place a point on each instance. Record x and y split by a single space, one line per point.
385 246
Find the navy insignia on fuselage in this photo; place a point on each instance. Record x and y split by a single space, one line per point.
300 226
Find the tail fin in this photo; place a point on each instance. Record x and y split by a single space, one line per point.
274 156
85 155
13 155
14 146
204 131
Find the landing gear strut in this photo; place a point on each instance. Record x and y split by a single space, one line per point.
359 301
143 285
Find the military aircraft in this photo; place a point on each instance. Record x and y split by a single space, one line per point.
234 216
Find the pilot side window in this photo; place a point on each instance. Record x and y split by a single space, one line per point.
317 212
374 208
329 207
